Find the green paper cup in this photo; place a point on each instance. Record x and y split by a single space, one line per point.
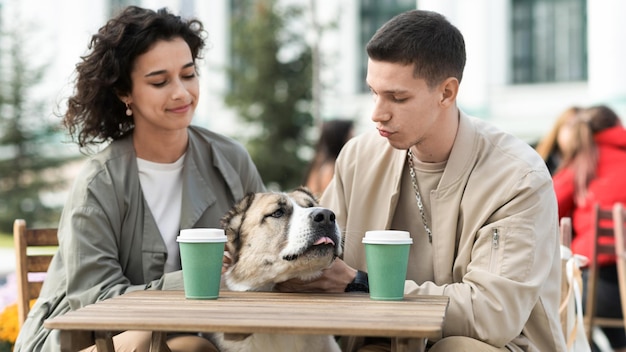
201 254
387 256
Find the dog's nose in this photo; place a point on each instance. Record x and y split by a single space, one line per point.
323 216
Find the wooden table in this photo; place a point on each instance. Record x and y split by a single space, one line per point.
410 322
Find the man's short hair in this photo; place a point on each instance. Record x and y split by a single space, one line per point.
425 39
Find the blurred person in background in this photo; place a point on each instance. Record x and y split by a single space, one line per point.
592 173
334 134
550 147
137 88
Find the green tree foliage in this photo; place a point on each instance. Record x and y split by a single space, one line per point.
271 88
29 162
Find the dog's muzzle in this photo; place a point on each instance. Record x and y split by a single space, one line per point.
323 231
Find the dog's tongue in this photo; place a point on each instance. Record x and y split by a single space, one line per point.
324 240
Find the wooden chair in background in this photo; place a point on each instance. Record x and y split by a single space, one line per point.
570 310
619 223
34 249
27 262
603 244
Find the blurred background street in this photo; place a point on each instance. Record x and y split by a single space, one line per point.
527 61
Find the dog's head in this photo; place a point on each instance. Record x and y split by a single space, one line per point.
274 237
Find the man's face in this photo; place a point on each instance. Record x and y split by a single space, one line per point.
406 110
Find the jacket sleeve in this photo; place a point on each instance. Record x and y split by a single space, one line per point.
92 258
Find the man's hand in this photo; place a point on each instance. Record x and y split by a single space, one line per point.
335 278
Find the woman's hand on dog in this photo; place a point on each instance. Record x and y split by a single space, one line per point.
334 279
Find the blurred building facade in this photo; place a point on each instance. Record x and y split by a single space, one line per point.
527 59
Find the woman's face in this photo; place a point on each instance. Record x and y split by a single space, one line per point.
165 88
566 139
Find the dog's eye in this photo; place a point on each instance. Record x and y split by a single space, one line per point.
278 213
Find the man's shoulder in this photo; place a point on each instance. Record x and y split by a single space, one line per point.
367 142
496 142
369 149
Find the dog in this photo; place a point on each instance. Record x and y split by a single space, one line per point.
274 237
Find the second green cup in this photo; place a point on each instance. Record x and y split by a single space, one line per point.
387 257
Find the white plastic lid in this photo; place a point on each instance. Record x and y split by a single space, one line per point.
387 237
201 235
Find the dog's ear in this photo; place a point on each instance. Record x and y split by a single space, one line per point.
308 192
232 221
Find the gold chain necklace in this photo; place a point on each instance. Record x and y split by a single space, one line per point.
418 196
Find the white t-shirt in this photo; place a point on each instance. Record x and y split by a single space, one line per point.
162 186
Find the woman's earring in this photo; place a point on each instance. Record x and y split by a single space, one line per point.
129 112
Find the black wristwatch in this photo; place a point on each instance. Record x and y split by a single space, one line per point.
359 284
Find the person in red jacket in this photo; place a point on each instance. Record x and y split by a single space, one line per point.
550 145
592 173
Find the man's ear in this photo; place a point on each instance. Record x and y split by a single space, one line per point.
449 90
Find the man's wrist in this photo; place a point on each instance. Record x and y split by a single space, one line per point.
359 284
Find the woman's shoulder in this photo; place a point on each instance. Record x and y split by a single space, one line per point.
612 137
118 151
223 149
216 140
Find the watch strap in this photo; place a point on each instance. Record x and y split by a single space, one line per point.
359 284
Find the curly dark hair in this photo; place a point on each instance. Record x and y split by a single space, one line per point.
95 114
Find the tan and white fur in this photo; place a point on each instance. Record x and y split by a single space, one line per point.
274 237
